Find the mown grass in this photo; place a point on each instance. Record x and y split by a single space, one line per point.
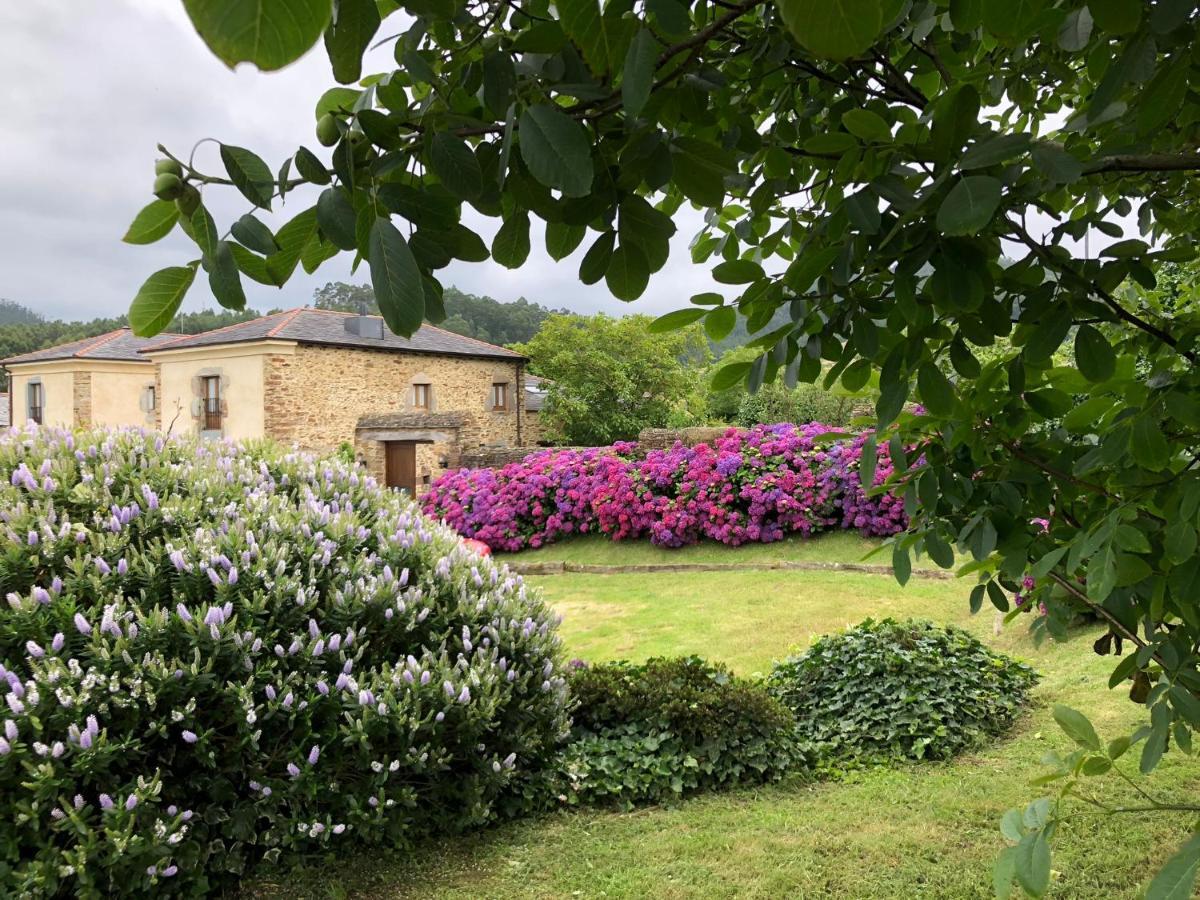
920 831
840 547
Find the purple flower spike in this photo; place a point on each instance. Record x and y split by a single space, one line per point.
57 644
313 755
130 802
41 596
293 770
190 737
106 801
85 740
169 871
82 624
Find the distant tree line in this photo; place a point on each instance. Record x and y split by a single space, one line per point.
23 331
482 318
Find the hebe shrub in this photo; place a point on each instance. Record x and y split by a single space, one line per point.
215 655
656 731
755 485
892 691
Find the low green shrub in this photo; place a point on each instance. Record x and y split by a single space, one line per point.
212 656
890 691
668 727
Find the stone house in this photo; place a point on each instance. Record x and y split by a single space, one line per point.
102 381
320 380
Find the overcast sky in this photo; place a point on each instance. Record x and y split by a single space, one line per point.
89 87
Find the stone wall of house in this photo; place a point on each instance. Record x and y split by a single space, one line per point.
82 399
316 396
661 438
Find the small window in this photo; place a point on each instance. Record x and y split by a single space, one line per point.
151 398
36 403
421 395
500 395
212 403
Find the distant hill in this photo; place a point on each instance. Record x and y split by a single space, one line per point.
15 314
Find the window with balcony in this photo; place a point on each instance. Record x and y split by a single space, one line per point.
211 398
36 403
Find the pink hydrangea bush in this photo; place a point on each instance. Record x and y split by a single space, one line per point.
756 485
213 655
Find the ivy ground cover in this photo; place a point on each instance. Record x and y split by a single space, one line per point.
756 485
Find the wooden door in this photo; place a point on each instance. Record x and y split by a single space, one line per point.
402 465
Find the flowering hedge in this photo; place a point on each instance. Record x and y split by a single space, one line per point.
759 484
212 655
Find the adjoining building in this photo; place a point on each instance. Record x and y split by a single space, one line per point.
101 381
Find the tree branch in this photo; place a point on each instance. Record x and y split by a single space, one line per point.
1148 162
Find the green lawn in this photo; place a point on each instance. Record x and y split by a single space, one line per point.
923 831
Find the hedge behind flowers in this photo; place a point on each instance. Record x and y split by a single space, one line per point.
755 485
212 655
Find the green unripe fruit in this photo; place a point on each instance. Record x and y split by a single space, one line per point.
168 186
328 132
168 167
189 200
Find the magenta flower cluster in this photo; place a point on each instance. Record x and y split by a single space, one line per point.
755 485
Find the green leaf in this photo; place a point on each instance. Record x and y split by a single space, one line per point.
1056 164
937 393
348 36
833 29
455 166
268 33
699 170
586 27
254 234
249 174
1116 16
563 239
153 223
1149 446
969 206
728 376
1033 863
870 126
638 75
252 266
866 464
675 320
994 151
510 246
499 82
1048 334
397 282
595 262
738 271
810 266
1094 355
556 149
159 298
939 551
203 231
291 239
1176 879
628 273
1076 30
1076 726
310 168
719 322
224 279
901 565
336 217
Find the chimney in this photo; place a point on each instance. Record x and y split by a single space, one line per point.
365 326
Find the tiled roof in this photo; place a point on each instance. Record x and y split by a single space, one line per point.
328 327
535 393
121 345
